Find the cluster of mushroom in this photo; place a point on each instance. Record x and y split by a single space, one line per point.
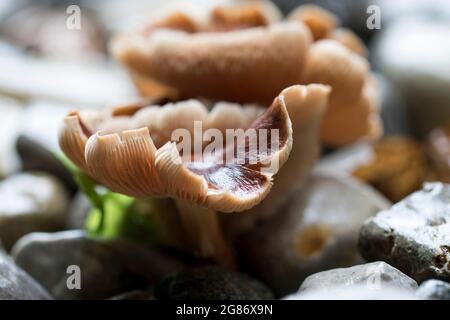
247 53
320 91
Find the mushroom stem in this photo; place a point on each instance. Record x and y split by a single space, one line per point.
204 233
101 222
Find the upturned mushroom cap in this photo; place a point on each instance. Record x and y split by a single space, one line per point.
163 121
130 155
306 106
249 65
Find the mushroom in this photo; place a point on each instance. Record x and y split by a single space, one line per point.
136 155
243 15
237 55
241 46
338 58
321 22
349 39
323 25
353 110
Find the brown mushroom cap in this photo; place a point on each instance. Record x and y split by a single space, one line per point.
148 87
244 15
176 21
129 162
321 22
353 107
250 65
323 25
222 18
360 118
350 40
329 62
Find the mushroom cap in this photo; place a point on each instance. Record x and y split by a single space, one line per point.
222 18
177 20
162 121
329 62
125 158
346 123
249 65
244 15
350 40
353 107
321 22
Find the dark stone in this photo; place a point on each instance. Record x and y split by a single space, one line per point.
413 235
31 202
211 283
16 284
434 290
38 141
107 267
34 156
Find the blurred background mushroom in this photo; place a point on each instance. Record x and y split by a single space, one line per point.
175 54
250 63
